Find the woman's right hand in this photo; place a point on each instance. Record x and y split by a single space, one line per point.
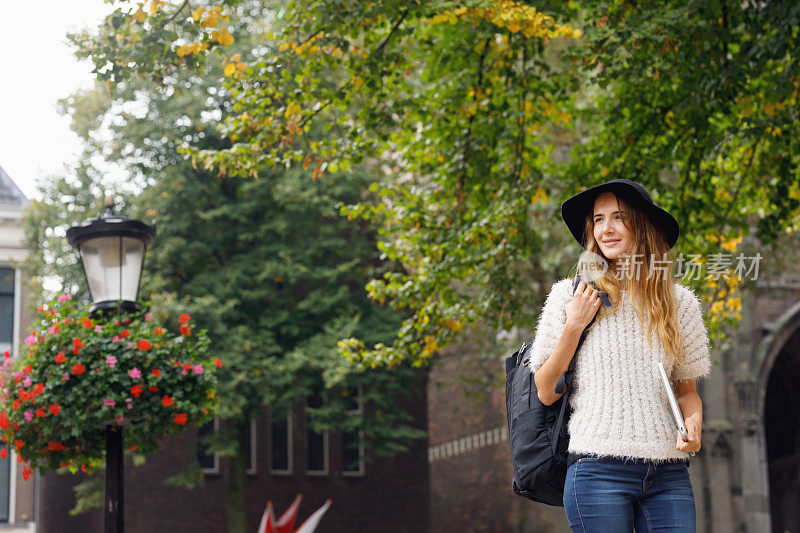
583 306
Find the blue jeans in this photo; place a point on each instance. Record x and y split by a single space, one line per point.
603 494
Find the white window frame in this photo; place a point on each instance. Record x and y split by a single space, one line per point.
359 410
289 447
215 469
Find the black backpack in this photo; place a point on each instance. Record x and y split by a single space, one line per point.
537 433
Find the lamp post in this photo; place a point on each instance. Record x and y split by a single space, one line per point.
112 250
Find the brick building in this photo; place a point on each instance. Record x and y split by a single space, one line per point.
17 495
381 495
745 478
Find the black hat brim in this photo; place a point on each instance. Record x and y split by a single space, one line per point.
574 210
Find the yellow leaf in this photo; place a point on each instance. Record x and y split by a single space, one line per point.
211 20
138 16
155 5
223 37
292 109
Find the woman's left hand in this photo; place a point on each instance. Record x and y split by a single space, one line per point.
693 444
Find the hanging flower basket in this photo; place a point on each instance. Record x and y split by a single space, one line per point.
77 374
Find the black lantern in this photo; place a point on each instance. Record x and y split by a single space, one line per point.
112 250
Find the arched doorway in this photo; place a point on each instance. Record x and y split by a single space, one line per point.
782 431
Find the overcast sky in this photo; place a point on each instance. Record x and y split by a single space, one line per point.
36 69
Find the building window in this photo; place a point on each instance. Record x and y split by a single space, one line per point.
250 448
281 443
209 462
353 441
316 443
6 309
6 343
5 493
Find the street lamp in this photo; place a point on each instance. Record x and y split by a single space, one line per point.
112 249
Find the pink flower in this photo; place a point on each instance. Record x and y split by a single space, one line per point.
27 382
148 316
129 345
198 369
65 376
119 419
28 416
64 297
98 329
31 339
109 403
52 330
111 361
183 371
134 373
115 339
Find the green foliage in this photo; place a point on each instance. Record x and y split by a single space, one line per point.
79 375
486 115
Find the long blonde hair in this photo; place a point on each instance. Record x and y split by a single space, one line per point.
652 296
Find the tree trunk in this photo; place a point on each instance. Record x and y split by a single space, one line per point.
235 502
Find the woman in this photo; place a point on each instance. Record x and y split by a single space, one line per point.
628 463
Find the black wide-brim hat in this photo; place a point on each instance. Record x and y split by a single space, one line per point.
575 209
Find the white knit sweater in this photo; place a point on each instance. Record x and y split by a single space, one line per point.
619 405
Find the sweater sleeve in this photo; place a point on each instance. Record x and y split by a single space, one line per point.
552 321
697 362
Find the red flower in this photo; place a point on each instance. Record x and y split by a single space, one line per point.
40 309
15 425
166 401
187 366
156 372
181 418
124 334
218 362
18 444
27 473
185 330
136 390
116 322
4 421
55 409
87 323
3 453
152 388
184 318
133 447
41 412
6 354
60 357
158 331
143 344
78 369
55 446
76 345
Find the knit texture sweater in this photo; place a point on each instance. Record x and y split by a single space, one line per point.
620 407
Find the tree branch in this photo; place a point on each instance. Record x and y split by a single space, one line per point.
171 17
379 50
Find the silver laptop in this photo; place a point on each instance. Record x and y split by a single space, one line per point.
673 403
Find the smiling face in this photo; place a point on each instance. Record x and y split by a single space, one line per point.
611 235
